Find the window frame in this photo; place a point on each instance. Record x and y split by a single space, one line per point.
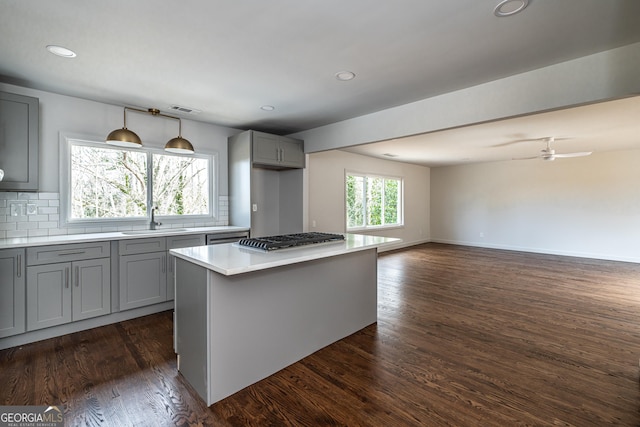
67 140
366 176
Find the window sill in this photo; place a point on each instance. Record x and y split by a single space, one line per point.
374 228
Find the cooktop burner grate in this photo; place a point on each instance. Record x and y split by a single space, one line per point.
271 243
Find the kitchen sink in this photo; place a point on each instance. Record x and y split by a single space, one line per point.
156 231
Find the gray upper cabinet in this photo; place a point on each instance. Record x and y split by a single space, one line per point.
12 292
19 138
278 152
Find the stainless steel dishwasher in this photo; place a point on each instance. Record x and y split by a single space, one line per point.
228 237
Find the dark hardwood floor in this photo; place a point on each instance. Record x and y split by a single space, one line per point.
465 337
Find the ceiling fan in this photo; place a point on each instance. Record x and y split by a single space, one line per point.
549 154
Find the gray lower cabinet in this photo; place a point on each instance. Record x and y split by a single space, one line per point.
143 279
176 242
146 269
63 292
66 292
142 272
12 292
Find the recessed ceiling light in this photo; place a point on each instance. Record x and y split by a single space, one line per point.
510 7
268 108
61 51
345 76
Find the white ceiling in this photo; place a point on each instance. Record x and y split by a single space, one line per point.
605 126
228 58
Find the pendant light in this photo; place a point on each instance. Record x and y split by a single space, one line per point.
128 139
124 137
179 144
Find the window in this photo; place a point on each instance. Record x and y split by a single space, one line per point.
111 184
373 201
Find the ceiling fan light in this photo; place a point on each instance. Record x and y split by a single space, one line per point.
124 138
179 145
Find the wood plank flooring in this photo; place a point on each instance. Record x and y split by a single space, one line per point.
465 337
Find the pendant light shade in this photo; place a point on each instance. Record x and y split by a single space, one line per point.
124 138
128 139
179 145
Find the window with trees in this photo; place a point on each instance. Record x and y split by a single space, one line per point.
111 184
373 201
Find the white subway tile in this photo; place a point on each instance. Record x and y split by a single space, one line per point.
91 230
75 231
27 225
37 218
21 218
38 232
8 196
28 196
14 234
47 210
48 196
47 224
57 231
54 202
8 226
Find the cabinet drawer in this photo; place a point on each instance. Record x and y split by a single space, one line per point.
141 246
176 242
63 253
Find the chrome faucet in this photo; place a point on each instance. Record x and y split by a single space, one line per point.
153 224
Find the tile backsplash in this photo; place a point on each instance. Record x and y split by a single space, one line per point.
38 214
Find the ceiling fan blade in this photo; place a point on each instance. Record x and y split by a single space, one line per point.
527 158
580 154
518 141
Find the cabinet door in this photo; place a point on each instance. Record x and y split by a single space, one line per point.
19 126
48 295
265 149
291 153
143 279
176 242
12 292
91 296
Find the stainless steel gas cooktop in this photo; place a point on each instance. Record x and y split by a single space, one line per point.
271 243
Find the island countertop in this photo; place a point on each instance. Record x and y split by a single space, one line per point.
230 258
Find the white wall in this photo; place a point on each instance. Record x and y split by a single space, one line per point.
59 113
588 207
77 116
326 193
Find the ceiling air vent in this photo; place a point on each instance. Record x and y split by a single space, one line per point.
184 110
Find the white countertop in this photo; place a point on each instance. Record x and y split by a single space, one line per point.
23 242
230 258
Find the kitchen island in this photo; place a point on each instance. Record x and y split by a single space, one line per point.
243 314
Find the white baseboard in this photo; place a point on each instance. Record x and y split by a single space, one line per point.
547 251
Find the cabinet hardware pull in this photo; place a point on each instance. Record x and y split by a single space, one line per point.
70 253
164 264
19 265
77 276
66 277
